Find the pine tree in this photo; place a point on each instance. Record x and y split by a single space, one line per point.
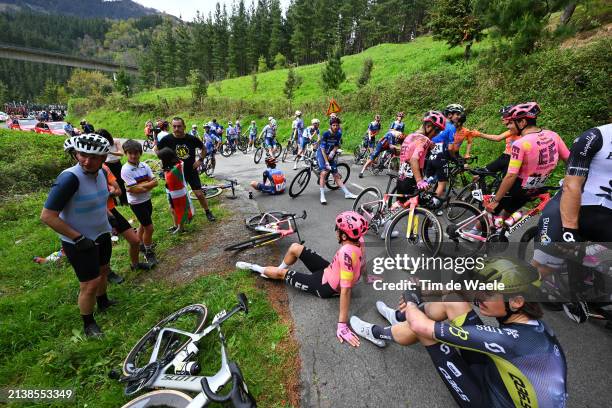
123 83
293 82
455 22
332 74
199 86
262 66
168 59
276 20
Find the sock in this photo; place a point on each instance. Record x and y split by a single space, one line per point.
257 268
102 300
283 265
322 190
148 247
346 190
382 333
400 316
88 319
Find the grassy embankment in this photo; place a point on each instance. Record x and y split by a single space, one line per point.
41 338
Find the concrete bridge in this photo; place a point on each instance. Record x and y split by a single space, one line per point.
49 57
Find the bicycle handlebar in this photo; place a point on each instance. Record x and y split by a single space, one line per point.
238 394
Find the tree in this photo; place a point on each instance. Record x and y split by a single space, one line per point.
366 72
280 61
49 94
262 66
199 85
293 82
254 82
89 83
454 21
123 83
4 93
332 74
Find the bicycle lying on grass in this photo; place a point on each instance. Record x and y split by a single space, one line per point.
215 190
164 358
269 226
301 179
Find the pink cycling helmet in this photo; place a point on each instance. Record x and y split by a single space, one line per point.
352 224
435 118
529 110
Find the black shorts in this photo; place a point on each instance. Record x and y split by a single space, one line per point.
438 168
193 179
118 222
143 212
500 164
406 186
87 264
311 282
515 199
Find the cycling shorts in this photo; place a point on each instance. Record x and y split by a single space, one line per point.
499 165
118 222
321 162
438 168
377 151
516 198
267 188
304 141
143 212
406 186
311 282
210 149
269 142
594 226
86 264
253 136
369 141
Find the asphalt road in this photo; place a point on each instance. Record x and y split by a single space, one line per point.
336 375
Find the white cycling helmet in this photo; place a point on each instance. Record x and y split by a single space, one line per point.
315 122
69 144
270 118
194 126
90 143
298 113
273 122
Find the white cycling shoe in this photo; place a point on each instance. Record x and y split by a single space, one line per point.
350 196
386 312
364 329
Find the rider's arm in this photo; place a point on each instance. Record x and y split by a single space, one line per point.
496 138
516 161
416 169
345 304
505 186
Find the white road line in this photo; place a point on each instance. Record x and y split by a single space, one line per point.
358 186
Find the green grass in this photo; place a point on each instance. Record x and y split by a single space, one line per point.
41 338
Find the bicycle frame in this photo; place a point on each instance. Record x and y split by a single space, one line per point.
273 227
411 204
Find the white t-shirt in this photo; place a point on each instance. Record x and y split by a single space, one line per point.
116 147
161 135
133 175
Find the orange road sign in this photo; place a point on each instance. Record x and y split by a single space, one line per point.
333 107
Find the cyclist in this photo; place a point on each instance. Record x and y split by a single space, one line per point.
273 179
398 124
373 129
501 163
211 141
582 211
437 165
297 127
389 142
76 210
269 136
194 131
534 157
163 127
252 130
86 127
185 147
238 127
327 160
462 133
518 364
148 131
231 134
326 279
306 138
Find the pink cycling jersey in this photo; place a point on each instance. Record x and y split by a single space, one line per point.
415 146
535 156
345 269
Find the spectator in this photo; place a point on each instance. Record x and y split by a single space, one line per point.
176 187
87 127
113 161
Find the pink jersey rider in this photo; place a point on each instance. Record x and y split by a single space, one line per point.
417 146
346 267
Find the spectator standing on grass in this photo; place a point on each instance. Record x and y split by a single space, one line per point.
76 210
87 127
176 187
139 181
113 161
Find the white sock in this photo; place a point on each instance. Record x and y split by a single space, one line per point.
346 190
283 265
251 266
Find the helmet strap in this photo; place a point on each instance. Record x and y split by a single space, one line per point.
520 130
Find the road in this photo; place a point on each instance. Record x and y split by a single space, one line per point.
335 375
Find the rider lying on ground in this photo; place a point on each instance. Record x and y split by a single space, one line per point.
273 179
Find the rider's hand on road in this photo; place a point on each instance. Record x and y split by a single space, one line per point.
344 333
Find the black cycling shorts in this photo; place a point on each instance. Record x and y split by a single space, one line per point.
143 212
87 264
193 179
515 198
118 222
406 186
437 167
311 282
500 164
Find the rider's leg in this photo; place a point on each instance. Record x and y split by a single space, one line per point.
322 179
340 183
292 255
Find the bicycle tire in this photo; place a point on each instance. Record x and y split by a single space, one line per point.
365 204
527 237
299 182
255 241
465 246
160 398
212 192
258 154
427 224
131 362
209 169
464 195
285 154
147 145
279 150
330 182
243 144
357 154
262 219
226 150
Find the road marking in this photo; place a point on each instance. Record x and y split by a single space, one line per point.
358 186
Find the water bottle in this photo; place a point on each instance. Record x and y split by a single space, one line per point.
187 368
498 221
514 218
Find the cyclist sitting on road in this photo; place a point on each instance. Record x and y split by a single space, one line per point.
398 124
269 136
386 143
273 179
582 211
534 157
501 163
437 164
176 187
327 160
462 133
306 138
252 130
518 364
373 129
326 279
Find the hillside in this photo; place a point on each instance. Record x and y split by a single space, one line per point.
118 9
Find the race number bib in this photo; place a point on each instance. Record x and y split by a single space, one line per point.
477 194
405 171
535 182
437 149
279 182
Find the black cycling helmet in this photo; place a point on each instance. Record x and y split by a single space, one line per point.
334 119
504 111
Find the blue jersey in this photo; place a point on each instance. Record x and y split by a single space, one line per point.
442 140
399 126
374 127
299 125
330 140
387 140
310 132
268 132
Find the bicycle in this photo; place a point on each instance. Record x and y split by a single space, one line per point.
207 166
386 161
212 191
292 146
277 149
475 229
148 144
227 148
363 151
301 179
164 359
472 192
268 225
420 224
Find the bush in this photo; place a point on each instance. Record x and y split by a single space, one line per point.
366 72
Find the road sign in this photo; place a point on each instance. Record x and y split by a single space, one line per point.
333 107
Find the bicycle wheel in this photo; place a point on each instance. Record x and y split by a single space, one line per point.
344 171
147 145
264 219
425 233
464 195
154 164
209 169
254 242
526 245
358 154
394 164
468 219
285 154
278 150
212 192
160 398
190 318
226 150
243 144
258 154
299 182
369 204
